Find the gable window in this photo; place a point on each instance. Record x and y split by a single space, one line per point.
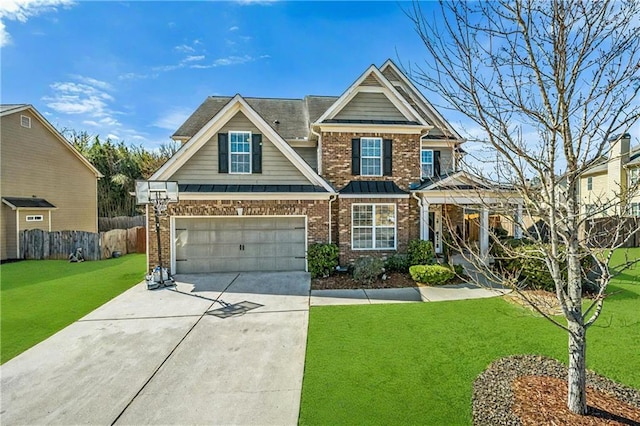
426 163
240 152
589 183
35 218
25 121
373 226
371 156
634 176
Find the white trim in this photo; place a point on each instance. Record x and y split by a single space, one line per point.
427 108
49 220
432 163
17 234
172 230
387 88
56 133
255 196
462 199
381 196
379 157
398 129
250 153
373 227
34 218
235 105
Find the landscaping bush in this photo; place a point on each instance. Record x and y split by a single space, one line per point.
431 274
459 270
322 259
367 269
397 263
420 252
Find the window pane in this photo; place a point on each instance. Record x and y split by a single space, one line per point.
362 215
427 170
427 156
385 238
371 147
370 167
240 163
362 238
385 215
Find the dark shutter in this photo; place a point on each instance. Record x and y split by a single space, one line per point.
355 157
223 153
387 153
256 153
436 163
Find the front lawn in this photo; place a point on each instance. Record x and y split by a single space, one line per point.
41 297
415 363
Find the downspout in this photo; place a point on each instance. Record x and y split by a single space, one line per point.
318 149
332 198
420 204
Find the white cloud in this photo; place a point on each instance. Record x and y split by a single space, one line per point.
193 58
223 62
255 2
172 119
234 28
135 76
22 10
113 137
93 82
184 48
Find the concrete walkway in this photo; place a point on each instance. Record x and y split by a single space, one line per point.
161 357
402 295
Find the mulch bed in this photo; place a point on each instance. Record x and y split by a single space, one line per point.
532 390
344 280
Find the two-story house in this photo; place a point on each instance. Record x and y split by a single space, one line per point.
610 186
261 179
45 184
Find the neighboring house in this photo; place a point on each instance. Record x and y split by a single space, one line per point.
610 186
45 183
261 179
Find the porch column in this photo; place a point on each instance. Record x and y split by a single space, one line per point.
517 230
424 225
484 232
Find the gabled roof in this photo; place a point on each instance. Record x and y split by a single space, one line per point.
27 203
8 109
233 106
411 93
600 164
385 86
456 180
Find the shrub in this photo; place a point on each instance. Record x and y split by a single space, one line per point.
322 259
459 270
397 263
367 269
431 274
420 252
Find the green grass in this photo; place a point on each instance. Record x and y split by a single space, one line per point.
415 363
41 297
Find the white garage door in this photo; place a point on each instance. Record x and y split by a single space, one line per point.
239 244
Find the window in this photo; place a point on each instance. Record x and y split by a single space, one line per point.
373 227
635 209
25 121
426 163
589 183
240 150
634 176
35 218
371 156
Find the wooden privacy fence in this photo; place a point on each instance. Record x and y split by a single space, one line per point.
613 231
121 222
39 244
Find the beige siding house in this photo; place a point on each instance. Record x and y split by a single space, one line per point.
610 186
45 183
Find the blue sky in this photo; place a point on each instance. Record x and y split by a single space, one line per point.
134 70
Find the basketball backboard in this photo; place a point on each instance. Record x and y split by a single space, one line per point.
149 192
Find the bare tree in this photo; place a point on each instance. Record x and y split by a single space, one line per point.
552 85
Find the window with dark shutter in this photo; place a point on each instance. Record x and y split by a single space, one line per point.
387 153
223 153
436 163
256 153
355 157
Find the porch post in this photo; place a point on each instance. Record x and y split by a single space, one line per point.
484 232
517 230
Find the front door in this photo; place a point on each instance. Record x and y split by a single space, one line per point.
432 230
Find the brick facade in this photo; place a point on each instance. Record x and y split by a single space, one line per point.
317 212
336 158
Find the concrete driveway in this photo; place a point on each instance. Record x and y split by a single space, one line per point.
162 357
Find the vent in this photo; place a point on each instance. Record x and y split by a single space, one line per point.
25 121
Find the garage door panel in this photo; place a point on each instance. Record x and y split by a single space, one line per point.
240 244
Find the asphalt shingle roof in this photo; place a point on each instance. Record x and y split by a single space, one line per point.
29 202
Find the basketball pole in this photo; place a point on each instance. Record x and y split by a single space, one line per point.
156 210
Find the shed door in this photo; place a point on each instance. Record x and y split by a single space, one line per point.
240 244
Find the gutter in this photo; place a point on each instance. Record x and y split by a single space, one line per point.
421 205
332 198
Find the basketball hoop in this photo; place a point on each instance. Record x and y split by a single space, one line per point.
158 194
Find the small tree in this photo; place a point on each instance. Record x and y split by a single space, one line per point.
551 85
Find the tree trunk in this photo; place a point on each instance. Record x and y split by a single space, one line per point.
577 398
